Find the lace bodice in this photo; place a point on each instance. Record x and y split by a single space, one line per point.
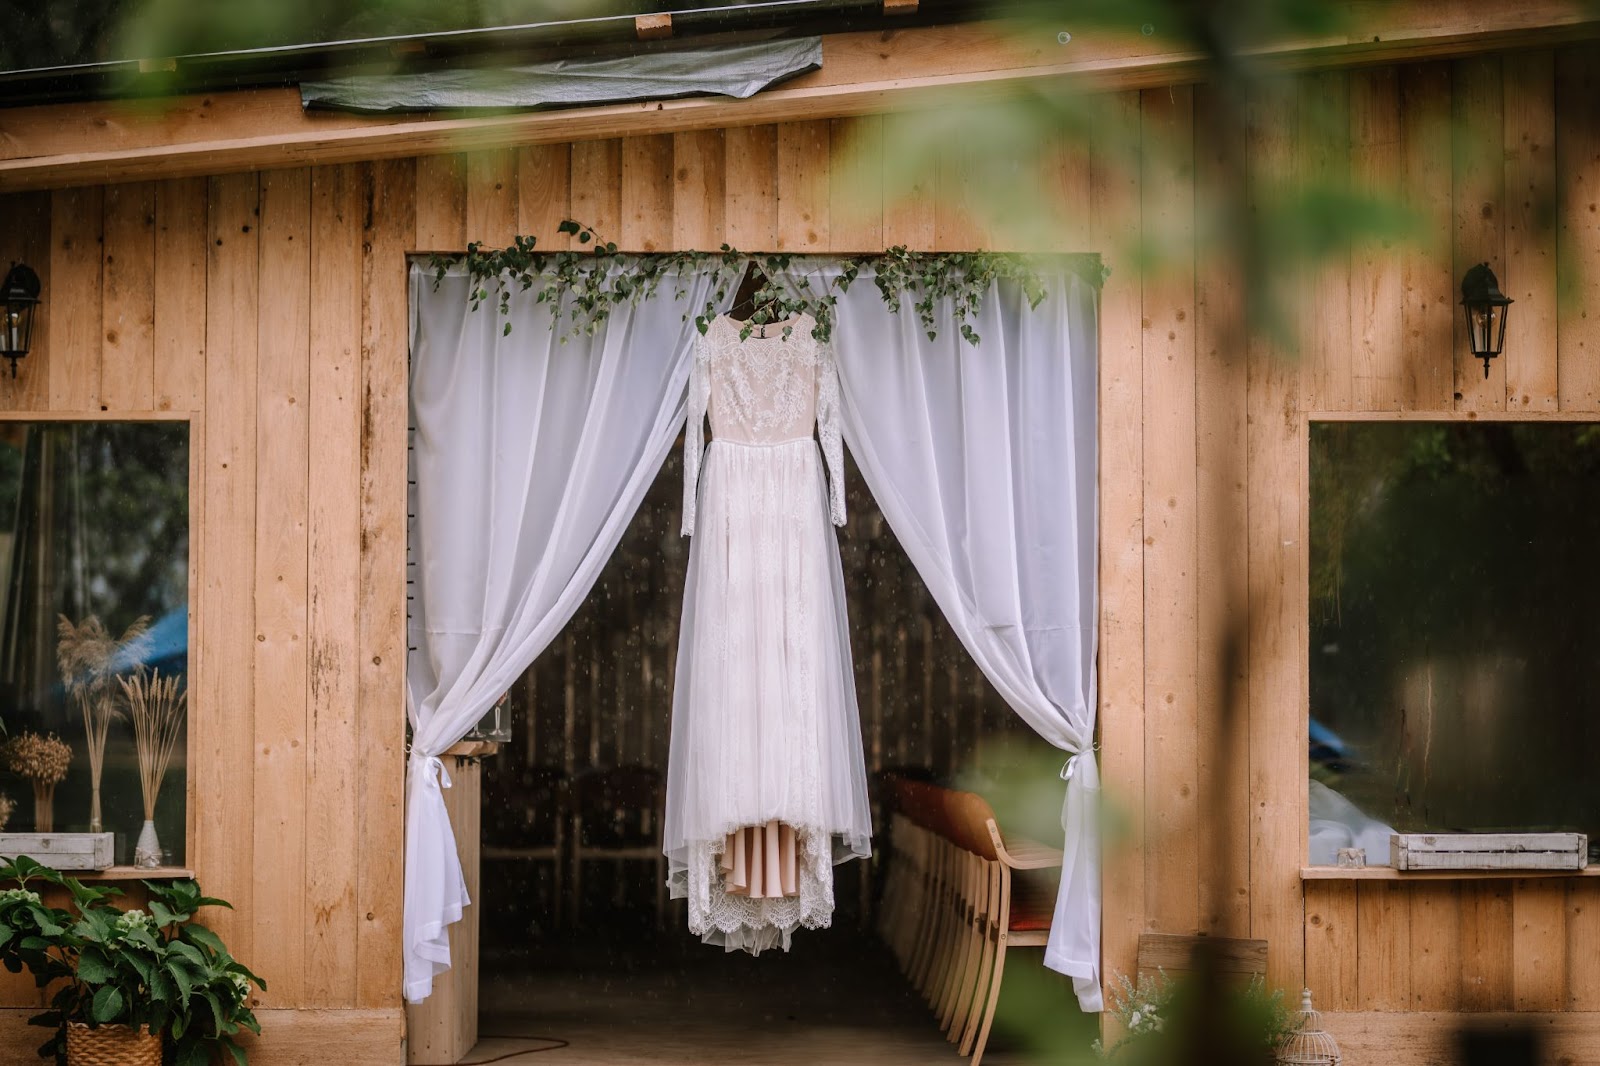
763 390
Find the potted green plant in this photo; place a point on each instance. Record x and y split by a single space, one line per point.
128 985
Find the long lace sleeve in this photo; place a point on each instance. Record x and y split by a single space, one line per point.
828 430
694 431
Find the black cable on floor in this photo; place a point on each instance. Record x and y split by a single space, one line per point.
552 1044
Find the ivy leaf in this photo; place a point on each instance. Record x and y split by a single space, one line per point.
107 1004
568 226
194 1054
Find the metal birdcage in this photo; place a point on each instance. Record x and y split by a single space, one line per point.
1310 1045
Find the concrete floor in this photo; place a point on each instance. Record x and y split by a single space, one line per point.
835 998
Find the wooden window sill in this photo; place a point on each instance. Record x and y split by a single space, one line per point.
132 873
1389 873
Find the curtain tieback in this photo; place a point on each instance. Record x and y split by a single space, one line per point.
1070 767
432 769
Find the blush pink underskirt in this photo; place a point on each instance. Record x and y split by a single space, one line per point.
759 861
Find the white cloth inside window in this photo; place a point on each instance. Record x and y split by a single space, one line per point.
1337 823
531 453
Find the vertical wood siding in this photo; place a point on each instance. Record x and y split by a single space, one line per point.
272 307
1499 160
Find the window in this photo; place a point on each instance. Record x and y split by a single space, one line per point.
94 535
1454 636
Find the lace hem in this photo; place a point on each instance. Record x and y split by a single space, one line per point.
742 923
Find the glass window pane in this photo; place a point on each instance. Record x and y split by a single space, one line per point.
1453 578
94 536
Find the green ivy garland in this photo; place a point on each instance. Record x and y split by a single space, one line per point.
585 284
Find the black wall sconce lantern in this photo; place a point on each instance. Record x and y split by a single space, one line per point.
19 299
1487 309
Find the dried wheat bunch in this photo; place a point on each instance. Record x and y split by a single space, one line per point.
156 708
41 759
7 807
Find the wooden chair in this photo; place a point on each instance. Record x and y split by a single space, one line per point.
1021 908
531 827
617 817
957 896
881 802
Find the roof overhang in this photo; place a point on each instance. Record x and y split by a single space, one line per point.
59 145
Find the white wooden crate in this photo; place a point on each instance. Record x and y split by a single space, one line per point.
63 851
1489 851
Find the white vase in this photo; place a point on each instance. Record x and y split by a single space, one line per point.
147 852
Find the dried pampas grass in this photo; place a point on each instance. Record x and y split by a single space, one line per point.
87 655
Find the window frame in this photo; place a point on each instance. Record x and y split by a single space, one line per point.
1309 872
193 684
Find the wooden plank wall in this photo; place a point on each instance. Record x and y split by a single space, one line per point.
1203 497
272 307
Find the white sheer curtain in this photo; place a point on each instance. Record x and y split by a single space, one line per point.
983 459
530 457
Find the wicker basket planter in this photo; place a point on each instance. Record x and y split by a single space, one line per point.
112 1045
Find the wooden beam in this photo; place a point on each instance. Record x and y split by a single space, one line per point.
1416 1038
863 73
348 1037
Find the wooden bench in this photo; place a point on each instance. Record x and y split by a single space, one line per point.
953 905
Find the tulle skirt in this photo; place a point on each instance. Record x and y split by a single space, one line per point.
764 721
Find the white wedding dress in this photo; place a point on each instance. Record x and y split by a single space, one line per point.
766 787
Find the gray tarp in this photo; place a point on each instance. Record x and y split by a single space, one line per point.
737 70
